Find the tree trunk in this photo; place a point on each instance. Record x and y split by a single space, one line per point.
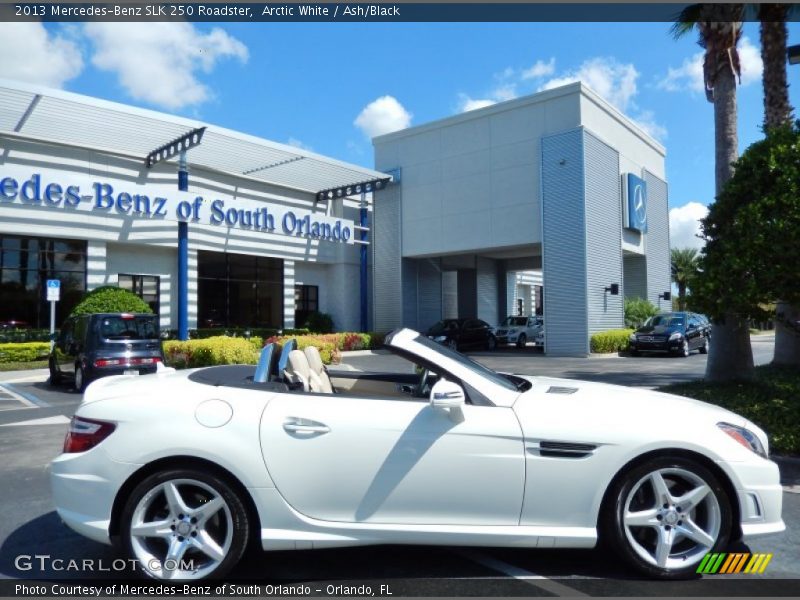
682 296
787 335
730 355
777 112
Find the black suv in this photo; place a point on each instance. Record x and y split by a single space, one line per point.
676 333
93 346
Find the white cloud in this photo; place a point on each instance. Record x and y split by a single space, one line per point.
466 103
614 81
293 141
689 76
540 69
34 54
684 225
158 63
381 116
646 120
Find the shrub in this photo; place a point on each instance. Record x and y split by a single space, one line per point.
637 311
318 322
24 335
613 340
219 350
24 352
109 299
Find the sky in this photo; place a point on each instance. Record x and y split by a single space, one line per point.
330 87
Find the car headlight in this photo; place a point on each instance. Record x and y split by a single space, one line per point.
632 337
675 336
745 437
440 338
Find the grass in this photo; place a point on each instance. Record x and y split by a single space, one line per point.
771 401
23 366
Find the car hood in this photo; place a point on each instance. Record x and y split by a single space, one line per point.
657 330
582 411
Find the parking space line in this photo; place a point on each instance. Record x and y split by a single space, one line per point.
9 395
539 581
28 399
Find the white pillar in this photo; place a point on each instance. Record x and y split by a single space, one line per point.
96 275
288 294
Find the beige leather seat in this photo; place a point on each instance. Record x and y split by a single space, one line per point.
318 369
298 371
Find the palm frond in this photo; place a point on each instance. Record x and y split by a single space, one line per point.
686 20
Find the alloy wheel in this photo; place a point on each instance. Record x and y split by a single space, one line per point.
685 348
672 518
181 529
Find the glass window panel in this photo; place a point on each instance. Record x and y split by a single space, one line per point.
69 261
242 267
10 242
211 264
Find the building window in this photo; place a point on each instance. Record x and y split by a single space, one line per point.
238 290
306 301
144 286
26 263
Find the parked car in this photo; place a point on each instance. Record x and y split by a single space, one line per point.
460 333
187 469
675 333
519 330
97 345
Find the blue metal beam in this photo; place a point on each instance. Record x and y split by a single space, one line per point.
364 290
183 257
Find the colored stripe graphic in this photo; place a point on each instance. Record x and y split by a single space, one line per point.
724 563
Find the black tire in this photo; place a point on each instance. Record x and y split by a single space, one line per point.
452 344
55 376
635 488
633 352
80 379
685 350
229 524
522 340
491 343
704 347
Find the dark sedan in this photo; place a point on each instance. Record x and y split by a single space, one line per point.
458 333
675 333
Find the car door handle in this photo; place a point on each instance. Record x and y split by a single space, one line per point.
305 426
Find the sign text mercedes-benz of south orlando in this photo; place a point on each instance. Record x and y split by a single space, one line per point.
31 189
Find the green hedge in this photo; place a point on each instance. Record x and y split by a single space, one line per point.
208 332
219 350
613 340
8 336
24 352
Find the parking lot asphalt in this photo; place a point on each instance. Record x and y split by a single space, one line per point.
33 418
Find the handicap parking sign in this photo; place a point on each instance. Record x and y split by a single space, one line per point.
53 290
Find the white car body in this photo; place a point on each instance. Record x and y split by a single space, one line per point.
370 469
514 327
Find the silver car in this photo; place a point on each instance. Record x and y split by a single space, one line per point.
520 330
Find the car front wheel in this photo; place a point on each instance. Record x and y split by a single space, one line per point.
522 340
55 376
704 347
491 343
684 350
665 515
452 344
184 524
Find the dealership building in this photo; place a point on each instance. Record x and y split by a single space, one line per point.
89 195
554 203
558 189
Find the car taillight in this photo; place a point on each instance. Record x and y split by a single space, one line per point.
111 362
85 434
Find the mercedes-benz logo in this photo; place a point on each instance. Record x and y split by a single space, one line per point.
639 205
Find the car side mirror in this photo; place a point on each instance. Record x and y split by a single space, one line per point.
446 394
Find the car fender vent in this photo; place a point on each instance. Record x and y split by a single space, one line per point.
556 389
564 449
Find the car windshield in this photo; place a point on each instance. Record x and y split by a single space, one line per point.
470 364
665 321
443 326
515 321
128 328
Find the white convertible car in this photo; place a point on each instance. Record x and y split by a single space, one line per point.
184 469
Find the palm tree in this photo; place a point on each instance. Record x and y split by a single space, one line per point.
778 112
684 269
719 27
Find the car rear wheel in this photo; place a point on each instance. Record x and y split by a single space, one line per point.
184 524
664 516
491 343
704 347
80 379
55 376
522 340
